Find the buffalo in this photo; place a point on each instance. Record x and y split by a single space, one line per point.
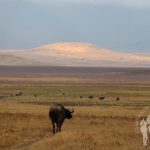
91 97
35 95
81 97
57 114
118 98
63 94
19 94
101 98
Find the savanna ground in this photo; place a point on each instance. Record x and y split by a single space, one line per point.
96 124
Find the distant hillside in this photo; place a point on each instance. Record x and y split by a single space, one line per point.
73 54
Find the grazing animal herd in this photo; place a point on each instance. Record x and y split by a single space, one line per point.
20 94
100 98
58 113
64 94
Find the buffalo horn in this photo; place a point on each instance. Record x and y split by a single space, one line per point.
72 110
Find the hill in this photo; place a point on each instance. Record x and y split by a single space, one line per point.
73 54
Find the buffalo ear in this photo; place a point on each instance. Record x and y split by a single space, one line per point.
72 110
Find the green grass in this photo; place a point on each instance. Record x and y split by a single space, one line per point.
129 95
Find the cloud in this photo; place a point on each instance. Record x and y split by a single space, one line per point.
124 3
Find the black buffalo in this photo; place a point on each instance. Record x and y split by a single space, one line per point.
81 96
35 95
91 97
101 98
63 94
118 98
19 94
57 114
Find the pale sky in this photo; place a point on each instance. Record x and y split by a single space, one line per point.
122 25
126 3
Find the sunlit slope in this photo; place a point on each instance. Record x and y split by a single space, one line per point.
74 54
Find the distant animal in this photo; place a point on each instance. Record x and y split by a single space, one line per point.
35 95
11 95
81 96
19 94
90 97
118 98
101 98
63 94
57 114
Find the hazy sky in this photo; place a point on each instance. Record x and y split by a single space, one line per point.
116 24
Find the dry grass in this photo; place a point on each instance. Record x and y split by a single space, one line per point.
27 127
20 127
96 125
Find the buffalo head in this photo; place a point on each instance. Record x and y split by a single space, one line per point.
68 113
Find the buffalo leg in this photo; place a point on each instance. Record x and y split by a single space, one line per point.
58 127
53 127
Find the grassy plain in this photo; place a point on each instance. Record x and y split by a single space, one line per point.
96 124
